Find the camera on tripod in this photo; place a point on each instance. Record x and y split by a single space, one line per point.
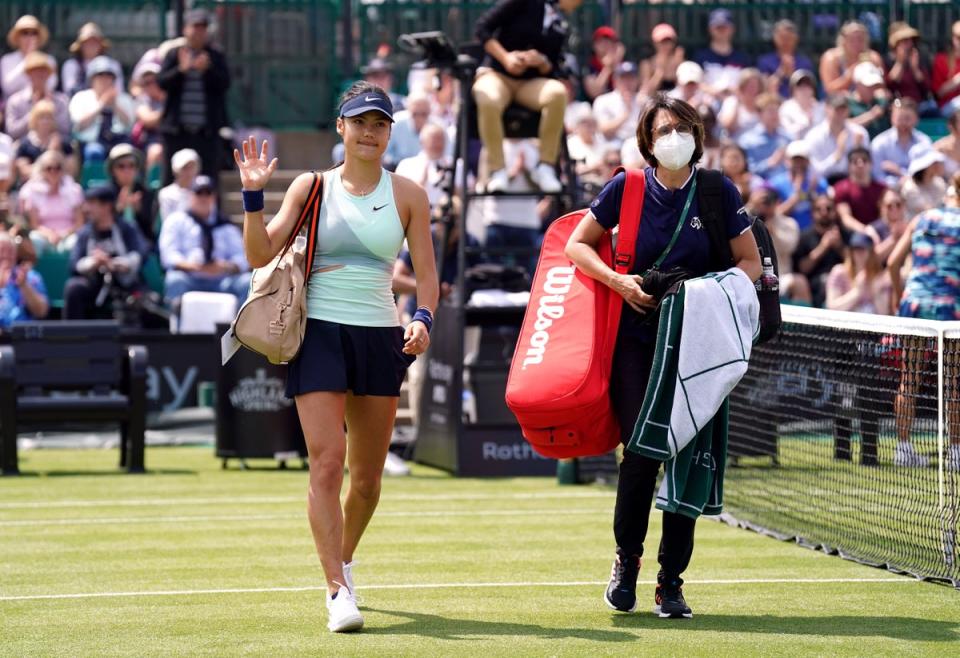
434 47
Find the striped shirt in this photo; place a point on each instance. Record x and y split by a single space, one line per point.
193 102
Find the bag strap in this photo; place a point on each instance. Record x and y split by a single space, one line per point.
311 209
631 204
710 200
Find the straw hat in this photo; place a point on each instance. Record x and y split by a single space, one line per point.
89 31
900 31
38 60
27 22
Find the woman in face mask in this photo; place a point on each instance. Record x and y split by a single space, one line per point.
670 136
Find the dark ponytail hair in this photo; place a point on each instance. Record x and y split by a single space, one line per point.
359 88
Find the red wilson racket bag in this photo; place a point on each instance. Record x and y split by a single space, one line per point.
559 381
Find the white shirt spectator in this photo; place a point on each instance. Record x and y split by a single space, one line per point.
612 105
428 174
173 198
517 212
797 121
181 241
824 157
85 101
72 81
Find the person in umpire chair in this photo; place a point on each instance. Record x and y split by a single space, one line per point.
670 136
355 352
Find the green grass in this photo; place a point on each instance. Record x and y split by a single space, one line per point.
73 525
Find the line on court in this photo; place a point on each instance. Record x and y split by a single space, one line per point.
317 588
270 500
284 517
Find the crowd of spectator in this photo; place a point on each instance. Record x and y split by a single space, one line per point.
824 147
109 173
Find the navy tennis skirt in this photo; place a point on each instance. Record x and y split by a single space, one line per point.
344 357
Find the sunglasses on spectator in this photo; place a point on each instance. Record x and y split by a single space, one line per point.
204 192
682 128
52 168
30 33
125 165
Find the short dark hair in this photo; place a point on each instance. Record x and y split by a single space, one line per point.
359 88
680 109
859 151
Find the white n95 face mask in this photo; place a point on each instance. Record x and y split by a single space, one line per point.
674 151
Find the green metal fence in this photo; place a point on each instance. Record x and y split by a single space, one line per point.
283 60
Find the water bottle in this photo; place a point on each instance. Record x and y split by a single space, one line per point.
768 280
768 294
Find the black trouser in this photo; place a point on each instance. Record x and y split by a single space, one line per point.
638 474
207 147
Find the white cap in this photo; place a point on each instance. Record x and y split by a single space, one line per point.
798 149
923 156
182 157
867 74
689 72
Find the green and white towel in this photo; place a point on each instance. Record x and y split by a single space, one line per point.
704 339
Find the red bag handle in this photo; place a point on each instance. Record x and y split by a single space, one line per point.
630 207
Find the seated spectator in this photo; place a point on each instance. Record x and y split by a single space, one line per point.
785 234
739 112
780 65
832 141
575 108
586 147
908 72
688 89
711 158
820 248
891 148
837 64
89 44
102 116
799 185
734 165
945 77
858 196
7 178
924 186
950 145
42 136
659 73
523 41
52 202
38 70
26 36
859 283
429 167
869 103
202 250
618 111
513 223
149 105
766 143
608 52
720 61
22 293
405 136
886 230
379 71
175 197
136 204
802 110
105 261
444 101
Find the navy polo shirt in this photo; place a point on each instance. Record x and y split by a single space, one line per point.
658 220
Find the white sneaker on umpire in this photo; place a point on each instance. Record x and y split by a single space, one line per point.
906 455
499 182
544 176
344 615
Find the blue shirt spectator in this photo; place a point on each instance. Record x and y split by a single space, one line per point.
784 60
22 293
405 137
891 148
720 62
799 185
766 143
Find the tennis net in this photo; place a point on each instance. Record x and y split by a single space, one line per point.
840 438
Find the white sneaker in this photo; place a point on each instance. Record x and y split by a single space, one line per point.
393 466
344 615
348 576
953 457
545 177
499 181
906 455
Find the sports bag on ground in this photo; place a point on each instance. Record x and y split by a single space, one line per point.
274 318
559 381
712 212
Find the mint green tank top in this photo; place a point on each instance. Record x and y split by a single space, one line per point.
363 235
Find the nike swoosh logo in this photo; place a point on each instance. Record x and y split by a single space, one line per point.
375 209
368 99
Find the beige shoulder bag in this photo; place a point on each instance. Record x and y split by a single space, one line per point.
273 319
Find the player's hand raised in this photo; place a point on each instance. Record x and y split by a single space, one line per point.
255 170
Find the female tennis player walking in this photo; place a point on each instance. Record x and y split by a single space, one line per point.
354 353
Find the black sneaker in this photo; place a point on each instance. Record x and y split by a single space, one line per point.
669 603
621 593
